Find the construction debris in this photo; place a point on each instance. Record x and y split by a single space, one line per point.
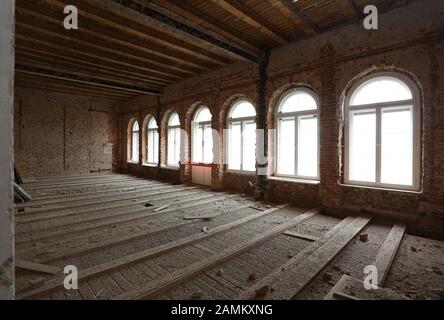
262 291
363 237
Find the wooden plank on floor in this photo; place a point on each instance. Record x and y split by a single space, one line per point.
87 224
56 215
295 274
300 235
348 286
163 284
37 267
146 254
387 253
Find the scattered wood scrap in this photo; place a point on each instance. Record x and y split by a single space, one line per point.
300 235
20 194
203 217
161 208
37 267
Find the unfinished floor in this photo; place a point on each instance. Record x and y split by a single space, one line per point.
133 238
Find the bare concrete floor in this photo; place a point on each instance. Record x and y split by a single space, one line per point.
132 238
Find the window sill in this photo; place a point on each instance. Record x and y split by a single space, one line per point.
171 168
150 165
413 192
243 173
294 180
132 162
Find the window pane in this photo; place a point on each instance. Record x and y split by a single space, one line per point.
234 146
208 144
249 146
308 146
152 148
136 126
177 149
242 109
135 147
197 144
298 101
397 146
381 89
174 120
152 124
173 145
202 115
362 152
286 146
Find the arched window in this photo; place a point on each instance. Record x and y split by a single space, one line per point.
242 137
135 142
173 142
152 145
202 146
382 132
297 135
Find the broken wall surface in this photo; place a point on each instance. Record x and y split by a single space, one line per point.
59 134
409 41
6 150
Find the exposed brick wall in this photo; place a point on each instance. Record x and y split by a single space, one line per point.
59 134
409 41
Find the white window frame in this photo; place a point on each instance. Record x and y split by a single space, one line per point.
195 125
154 131
130 160
169 128
242 121
282 115
414 104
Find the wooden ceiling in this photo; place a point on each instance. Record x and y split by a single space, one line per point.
124 48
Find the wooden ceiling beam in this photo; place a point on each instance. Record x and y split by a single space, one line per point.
83 80
43 52
216 27
134 11
305 21
65 90
37 39
251 18
293 16
139 30
93 26
39 28
78 74
348 8
25 56
64 85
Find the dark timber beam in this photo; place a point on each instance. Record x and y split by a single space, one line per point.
306 22
250 17
216 27
348 8
84 80
134 10
262 119
293 16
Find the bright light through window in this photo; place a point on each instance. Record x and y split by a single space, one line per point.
202 136
173 150
381 134
152 142
242 137
297 135
135 142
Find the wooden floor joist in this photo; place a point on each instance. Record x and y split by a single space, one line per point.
152 252
295 274
78 184
87 224
57 215
36 267
382 262
162 284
